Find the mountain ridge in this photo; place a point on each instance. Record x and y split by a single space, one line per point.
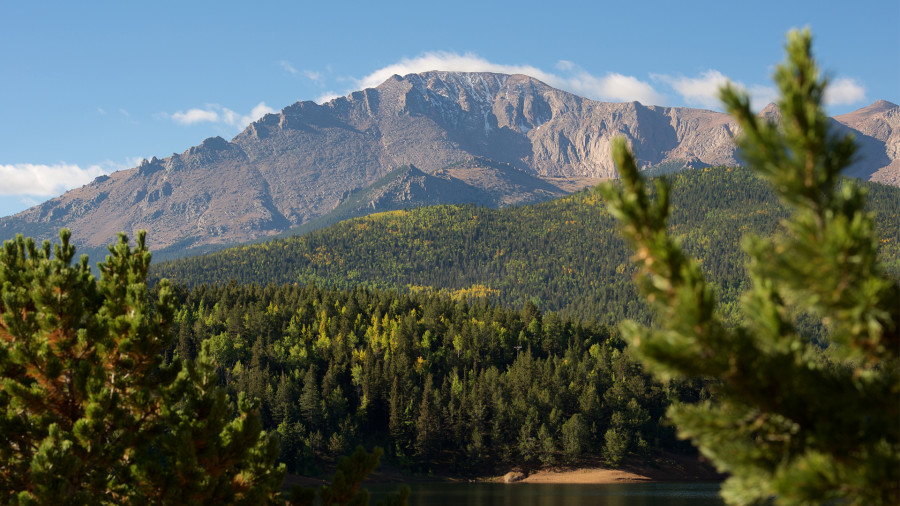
566 250
293 166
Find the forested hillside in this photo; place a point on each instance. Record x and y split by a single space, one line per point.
457 336
564 255
443 384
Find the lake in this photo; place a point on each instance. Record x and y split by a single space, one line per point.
529 494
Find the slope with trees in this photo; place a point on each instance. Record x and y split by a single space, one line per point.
563 255
442 383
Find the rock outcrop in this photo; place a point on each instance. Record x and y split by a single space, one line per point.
296 165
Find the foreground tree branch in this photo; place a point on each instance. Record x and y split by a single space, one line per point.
793 418
89 411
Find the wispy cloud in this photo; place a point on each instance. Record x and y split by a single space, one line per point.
611 86
286 65
314 76
318 77
452 62
45 180
565 65
761 96
215 113
703 90
844 91
327 96
192 116
257 112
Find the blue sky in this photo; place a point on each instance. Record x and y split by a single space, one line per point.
87 88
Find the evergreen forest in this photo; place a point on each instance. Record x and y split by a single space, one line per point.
564 255
460 337
444 384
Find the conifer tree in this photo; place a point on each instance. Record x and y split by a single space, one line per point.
792 420
310 400
89 411
427 423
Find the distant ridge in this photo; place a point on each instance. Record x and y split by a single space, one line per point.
564 254
299 164
476 181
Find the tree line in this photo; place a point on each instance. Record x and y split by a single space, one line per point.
563 255
441 383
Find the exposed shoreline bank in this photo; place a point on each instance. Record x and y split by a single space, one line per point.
668 468
580 476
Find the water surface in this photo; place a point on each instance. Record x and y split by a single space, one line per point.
532 494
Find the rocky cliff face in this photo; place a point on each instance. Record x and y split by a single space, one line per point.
296 165
877 131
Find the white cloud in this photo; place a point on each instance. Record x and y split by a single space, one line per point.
442 60
315 77
844 91
259 111
701 91
195 116
761 96
45 180
215 113
564 65
326 97
612 86
286 65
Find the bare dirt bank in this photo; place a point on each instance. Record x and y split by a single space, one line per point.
668 467
665 467
583 476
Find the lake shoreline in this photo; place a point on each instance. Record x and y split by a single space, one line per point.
667 467
662 468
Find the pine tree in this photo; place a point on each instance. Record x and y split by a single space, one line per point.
792 419
546 446
285 405
89 411
310 400
427 423
574 437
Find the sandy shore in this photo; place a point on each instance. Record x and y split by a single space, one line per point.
585 476
665 467
668 467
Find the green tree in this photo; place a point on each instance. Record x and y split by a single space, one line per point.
617 442
427 423
546 446
575 436
792 419
310 400
89 411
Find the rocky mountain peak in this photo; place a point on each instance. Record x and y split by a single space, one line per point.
880 106
771 112
526 138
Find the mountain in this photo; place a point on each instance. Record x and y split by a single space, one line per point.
877 130
475 181
299 164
